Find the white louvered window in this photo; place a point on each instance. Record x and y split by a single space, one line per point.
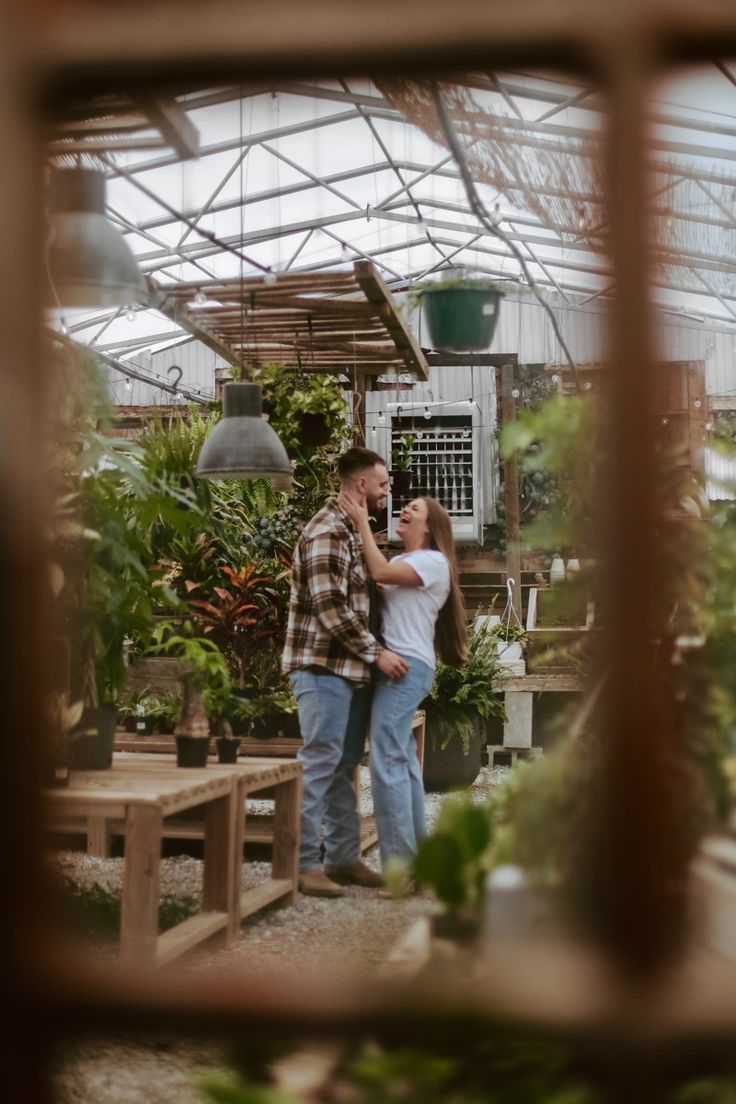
442 465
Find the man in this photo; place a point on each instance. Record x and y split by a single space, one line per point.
328 656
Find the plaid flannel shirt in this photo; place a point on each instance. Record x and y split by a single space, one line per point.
329 606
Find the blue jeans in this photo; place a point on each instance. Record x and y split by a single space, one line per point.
333 717
396 777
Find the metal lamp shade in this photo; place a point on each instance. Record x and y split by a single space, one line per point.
90 263
242 445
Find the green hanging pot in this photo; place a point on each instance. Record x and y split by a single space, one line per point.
461 318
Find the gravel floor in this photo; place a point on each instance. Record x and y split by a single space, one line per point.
352 934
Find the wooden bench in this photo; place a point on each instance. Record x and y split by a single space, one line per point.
135 799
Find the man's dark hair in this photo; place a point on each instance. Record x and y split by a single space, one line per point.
357 459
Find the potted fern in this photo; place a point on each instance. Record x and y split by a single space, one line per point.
460 697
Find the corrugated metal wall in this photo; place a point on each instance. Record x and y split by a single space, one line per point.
198 364
523 329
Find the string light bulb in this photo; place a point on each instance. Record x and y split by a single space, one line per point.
269 278
555 378
709 426
664 421
697 404
427 414
466 433
381 418
344 252
200 297
587 386
130 315
515 392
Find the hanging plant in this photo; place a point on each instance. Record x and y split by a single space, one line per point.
401 456
461 314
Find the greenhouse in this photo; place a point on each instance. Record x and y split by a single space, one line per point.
369 467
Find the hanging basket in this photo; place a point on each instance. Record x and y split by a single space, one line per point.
314 430
461 319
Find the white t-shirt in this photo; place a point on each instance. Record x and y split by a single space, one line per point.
410 613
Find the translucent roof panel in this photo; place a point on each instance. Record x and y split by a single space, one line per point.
312 175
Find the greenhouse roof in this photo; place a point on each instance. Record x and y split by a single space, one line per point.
220 190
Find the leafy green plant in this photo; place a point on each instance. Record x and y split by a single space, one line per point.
202 659
456 857
401 453
290 394
245 617
459 694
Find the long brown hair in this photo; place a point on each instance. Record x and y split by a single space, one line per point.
450 636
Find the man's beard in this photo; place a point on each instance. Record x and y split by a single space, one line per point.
375 505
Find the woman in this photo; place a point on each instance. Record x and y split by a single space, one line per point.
423 608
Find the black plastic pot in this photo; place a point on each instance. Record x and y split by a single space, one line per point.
192 751
400 482
92 749
458 926
227 749
314 429
277 725
450 768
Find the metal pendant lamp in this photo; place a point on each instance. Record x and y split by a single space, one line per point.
90 263
242 445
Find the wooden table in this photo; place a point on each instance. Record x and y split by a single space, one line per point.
135 797
260 829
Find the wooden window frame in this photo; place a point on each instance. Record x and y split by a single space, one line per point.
50 49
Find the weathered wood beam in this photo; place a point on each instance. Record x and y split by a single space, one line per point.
377 292
178 313
175 126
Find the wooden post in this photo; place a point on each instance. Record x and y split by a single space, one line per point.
139 919
220 891
511 490
286 831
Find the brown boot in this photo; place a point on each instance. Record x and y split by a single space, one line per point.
315 883
356 873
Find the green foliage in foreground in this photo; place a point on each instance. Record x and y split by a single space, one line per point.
492 1070
94 912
